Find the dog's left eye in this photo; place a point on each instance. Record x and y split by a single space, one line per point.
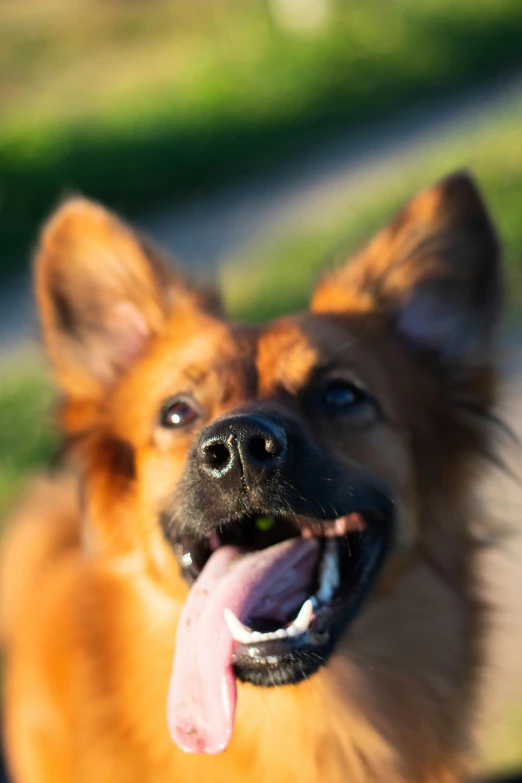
178 412
340 395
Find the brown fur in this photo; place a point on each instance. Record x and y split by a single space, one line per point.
91 593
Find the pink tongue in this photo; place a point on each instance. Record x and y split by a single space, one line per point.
202 692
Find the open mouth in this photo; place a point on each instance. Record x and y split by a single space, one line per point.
270 595
349 553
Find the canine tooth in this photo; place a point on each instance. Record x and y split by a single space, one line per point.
239 632
292 630
329 577
302 621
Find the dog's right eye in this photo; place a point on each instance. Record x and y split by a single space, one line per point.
178 412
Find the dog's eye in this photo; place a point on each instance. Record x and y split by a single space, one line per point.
178 412
339 395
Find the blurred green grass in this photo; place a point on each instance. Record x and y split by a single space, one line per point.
138 103
27 437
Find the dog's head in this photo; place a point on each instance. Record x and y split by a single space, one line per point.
289 471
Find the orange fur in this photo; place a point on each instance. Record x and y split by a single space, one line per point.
90 591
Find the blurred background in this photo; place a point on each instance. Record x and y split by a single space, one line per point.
258 140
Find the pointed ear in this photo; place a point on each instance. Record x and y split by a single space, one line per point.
102 293
434 271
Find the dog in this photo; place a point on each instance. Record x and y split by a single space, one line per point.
258 560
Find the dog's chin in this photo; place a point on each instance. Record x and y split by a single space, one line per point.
269 671
290 642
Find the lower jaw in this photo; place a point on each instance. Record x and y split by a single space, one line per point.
265 670
284 661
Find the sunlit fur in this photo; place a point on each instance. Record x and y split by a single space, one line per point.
90 590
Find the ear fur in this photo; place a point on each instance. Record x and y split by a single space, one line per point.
434 271
102 293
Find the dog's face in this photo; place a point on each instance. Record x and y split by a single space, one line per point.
284 471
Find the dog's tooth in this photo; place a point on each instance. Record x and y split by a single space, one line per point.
330 577
269 636
239 632
302 621
245 635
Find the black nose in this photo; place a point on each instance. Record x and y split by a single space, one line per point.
242 447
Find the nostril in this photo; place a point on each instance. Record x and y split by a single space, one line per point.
263 449
217 455
245 449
